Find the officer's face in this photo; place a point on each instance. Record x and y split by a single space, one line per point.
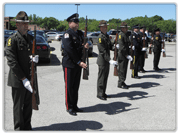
124 29
103 29
74 25
142 30
157 32
136 30
22 27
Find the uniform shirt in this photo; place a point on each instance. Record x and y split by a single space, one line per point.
18 50
157 41
123 41
104 47
146 39
137 43
73 48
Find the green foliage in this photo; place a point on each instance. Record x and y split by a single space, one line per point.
168 26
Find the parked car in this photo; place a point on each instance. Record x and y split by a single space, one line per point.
51 35
112 35
90 51
7 34
41 33
43 49
93 37
59 36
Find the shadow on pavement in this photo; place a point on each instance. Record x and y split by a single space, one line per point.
133 95
73 126
153 76
163 70
110 109
54 61
94 54
145 85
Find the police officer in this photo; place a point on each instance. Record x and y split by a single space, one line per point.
157 41
103 60
123 55
18 51
72 63
143 37
137 46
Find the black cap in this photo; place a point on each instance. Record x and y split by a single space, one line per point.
22 17
142 27
73 18
136 26
157 30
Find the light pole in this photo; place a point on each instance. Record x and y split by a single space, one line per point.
77 6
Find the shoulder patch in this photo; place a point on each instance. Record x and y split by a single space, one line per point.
99 40
9 42
66 35
119 36
157 38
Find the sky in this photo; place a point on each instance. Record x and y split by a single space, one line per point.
101 11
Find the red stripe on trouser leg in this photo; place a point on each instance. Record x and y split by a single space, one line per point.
66 95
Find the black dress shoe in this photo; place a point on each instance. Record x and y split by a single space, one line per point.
71 112
123 86
78 109
101 97
136 77
106 96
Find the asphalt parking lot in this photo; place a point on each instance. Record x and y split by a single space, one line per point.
148 105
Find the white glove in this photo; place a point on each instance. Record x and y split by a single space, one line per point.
163 40
117 46
27 85
143 38
129 58
112 62
144 49
163 50
133 48
35 58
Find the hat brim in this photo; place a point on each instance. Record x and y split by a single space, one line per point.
124 26
103 24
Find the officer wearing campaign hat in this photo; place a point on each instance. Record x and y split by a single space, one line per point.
103 60
143 37
18 51
137 50
72 63
157 41
123 55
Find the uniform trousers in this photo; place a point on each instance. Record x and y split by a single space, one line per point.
102 79
22 108
156 59
72 81
135 65
122 71
142 60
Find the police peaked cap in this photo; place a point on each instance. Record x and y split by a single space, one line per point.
22 17
136 26
157 30
142 27
73 18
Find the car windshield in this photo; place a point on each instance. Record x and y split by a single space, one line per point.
8 32
40 40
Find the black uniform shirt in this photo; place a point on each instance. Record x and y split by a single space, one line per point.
137 43
157 41
73 48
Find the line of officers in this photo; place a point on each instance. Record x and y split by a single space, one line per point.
19 49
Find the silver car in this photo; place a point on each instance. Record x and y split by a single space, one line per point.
51 35
112 35
93 37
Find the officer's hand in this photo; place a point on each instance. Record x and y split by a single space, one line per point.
86 45
150 45
83 65
27 85
129 58
117 46
143 49
163 50
114 63
35 58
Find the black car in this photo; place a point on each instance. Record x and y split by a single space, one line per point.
7 34
43 49
41 33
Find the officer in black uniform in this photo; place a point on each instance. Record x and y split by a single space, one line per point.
103 60
144 49
72 63
18 51
137 47
157 41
